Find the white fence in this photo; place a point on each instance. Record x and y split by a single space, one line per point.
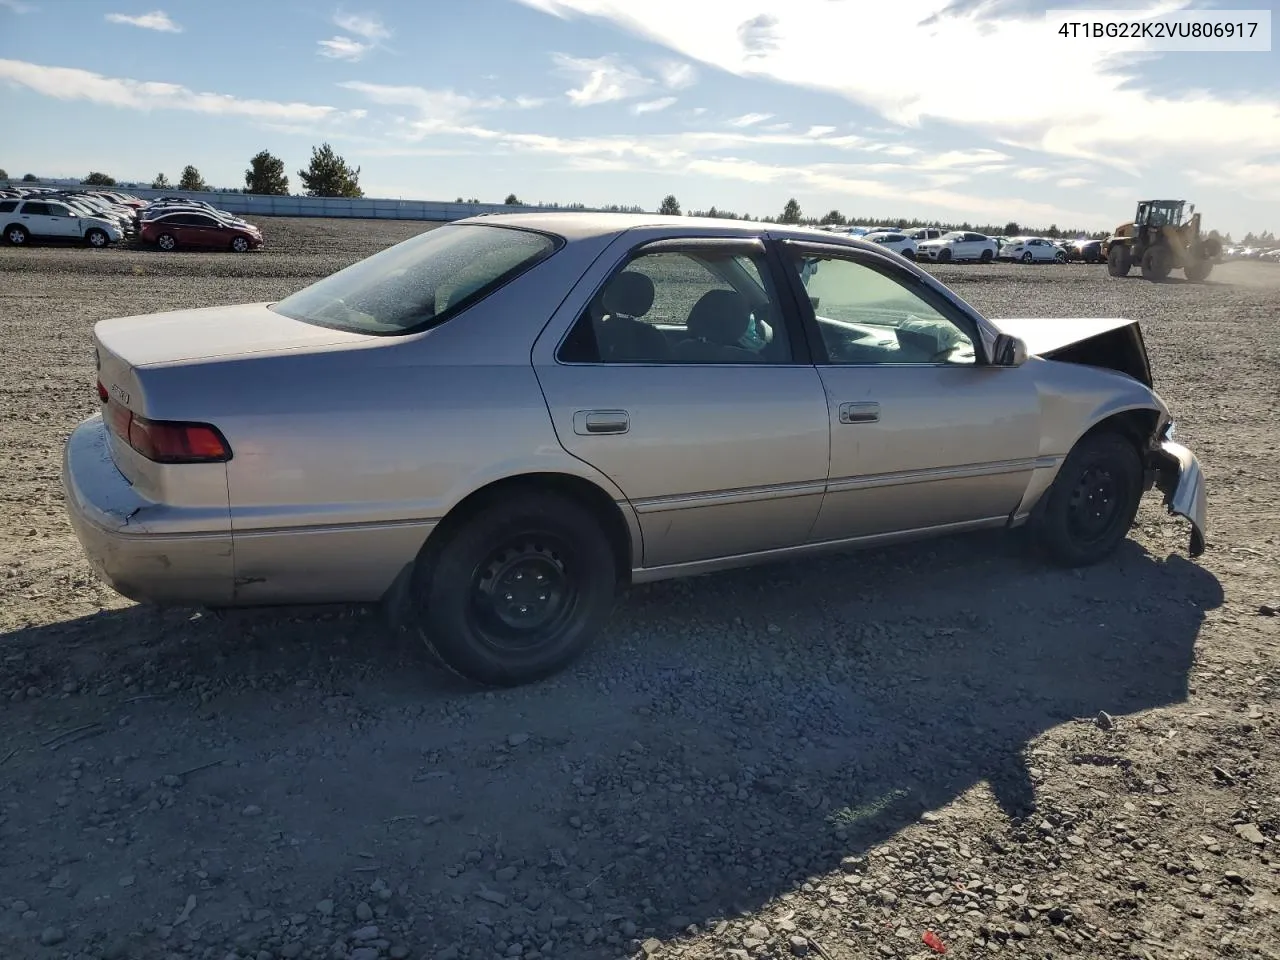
271 206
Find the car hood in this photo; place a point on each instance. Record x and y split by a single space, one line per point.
1042 335
209 332
1111 342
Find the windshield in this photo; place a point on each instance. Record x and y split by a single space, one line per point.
421 282
953 235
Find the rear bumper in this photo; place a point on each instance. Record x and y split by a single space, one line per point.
124 536
1180 479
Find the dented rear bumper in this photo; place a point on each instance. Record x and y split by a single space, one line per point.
1180 479
144 550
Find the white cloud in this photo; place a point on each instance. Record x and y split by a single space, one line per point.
437 111
368 26
749 119
1099 116
17 6
652 106
676 75
601 79
343 48
1069 183
155 20
70 83
819 131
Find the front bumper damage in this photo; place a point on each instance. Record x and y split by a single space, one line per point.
1179 477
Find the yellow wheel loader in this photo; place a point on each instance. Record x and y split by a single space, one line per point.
1158 241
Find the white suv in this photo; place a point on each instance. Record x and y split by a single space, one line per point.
48 219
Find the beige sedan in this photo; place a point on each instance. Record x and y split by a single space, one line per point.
497 425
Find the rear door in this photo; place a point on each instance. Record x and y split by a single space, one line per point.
203 231
673 370
34 215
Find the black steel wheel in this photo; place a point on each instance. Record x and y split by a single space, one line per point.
1090 507
517 591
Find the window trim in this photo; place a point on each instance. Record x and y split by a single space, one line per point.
750 245
874 260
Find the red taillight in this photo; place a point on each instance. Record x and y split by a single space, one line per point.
102 393
164 441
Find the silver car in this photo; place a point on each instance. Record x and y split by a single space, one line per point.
497 425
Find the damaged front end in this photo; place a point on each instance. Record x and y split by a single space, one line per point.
1175 472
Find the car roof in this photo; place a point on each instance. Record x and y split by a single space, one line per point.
582 225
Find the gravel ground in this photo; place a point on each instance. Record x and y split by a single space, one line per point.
838 759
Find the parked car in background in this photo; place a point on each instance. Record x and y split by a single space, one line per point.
897 242
1089 251
497 425
920 234
958 245
1032 249
198 230
26 220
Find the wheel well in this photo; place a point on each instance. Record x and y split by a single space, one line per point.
584 492
1138 426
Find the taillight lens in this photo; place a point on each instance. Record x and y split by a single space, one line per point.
166 441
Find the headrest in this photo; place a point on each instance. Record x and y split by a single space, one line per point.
629 293
720 316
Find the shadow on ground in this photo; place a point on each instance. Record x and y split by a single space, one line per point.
735 736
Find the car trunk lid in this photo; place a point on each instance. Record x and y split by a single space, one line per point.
126 347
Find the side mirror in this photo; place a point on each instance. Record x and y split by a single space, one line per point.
1009 351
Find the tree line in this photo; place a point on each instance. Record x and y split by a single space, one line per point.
329 175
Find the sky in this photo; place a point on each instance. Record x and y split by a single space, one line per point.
936 109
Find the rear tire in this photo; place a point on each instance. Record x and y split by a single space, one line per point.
1118 261
518 591
1090 507
167 242
16 235
1199 270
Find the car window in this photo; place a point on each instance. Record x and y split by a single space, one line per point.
35 209
868 316
199 220
420 282
8 206
58 210
709 305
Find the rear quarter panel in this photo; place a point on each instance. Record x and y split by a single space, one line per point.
345 457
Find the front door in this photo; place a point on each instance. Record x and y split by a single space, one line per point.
680 379
924 433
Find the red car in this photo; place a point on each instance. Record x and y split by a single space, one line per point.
199 231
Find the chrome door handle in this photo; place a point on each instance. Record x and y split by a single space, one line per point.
867 412
591 422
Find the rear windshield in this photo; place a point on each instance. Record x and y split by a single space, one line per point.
421 282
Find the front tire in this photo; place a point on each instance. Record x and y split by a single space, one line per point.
1090 507
239 245
97 238
944 255
1156 264
517 592
987 256
1026 257
1118 261
167 242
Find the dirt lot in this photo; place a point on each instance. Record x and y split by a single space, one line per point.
826 758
